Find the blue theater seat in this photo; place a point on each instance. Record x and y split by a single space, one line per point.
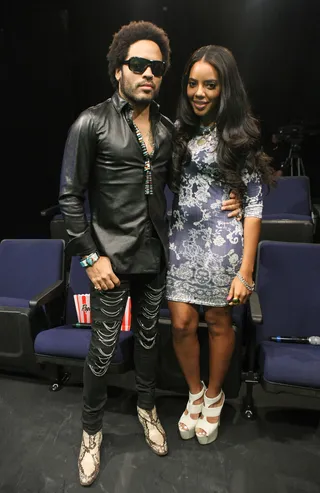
66 346
31 297
286 303
287 211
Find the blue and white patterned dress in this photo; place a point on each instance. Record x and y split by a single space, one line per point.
205 246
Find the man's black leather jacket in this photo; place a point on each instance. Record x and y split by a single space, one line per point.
103 158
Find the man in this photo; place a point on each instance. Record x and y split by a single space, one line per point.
119 152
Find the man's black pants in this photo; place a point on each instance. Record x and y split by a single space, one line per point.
107 309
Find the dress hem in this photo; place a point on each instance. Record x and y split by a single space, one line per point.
192 302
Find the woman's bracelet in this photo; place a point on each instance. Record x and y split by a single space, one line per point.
244 282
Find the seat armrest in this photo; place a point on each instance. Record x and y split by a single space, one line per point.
315 217
255 308
51 211
48 295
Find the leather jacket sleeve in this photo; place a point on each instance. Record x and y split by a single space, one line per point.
78 159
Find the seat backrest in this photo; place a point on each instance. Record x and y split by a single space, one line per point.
287 282
57 213
28 266
78 284
291 195
169 197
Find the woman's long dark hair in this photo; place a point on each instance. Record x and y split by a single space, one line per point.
238 131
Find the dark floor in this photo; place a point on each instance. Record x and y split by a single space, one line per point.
40 436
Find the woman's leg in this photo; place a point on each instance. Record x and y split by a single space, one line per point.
185 321
221 346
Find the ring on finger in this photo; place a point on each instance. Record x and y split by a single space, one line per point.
239 215
235 301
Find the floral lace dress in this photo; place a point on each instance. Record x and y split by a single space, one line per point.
205 246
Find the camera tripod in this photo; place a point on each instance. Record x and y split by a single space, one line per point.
293 165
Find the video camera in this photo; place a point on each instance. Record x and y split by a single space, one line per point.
291 134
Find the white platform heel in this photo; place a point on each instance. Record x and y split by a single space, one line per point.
186 419
210 429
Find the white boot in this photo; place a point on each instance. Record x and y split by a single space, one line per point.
207 432
89 458
187 424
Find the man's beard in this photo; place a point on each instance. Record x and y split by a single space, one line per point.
128 92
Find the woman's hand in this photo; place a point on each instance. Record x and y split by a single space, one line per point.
233 204
239 294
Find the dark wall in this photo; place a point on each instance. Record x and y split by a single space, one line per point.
37 107
53 65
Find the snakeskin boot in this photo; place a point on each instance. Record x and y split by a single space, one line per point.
154 433
89 458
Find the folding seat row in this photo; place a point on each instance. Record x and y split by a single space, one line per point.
38 317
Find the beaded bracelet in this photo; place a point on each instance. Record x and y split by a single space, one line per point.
244 282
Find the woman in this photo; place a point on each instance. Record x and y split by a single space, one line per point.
216 149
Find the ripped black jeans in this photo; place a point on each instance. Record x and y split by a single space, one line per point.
107 310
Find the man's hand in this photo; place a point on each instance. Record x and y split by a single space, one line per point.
233 204
101 275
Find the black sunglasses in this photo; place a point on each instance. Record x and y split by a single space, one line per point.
139 66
